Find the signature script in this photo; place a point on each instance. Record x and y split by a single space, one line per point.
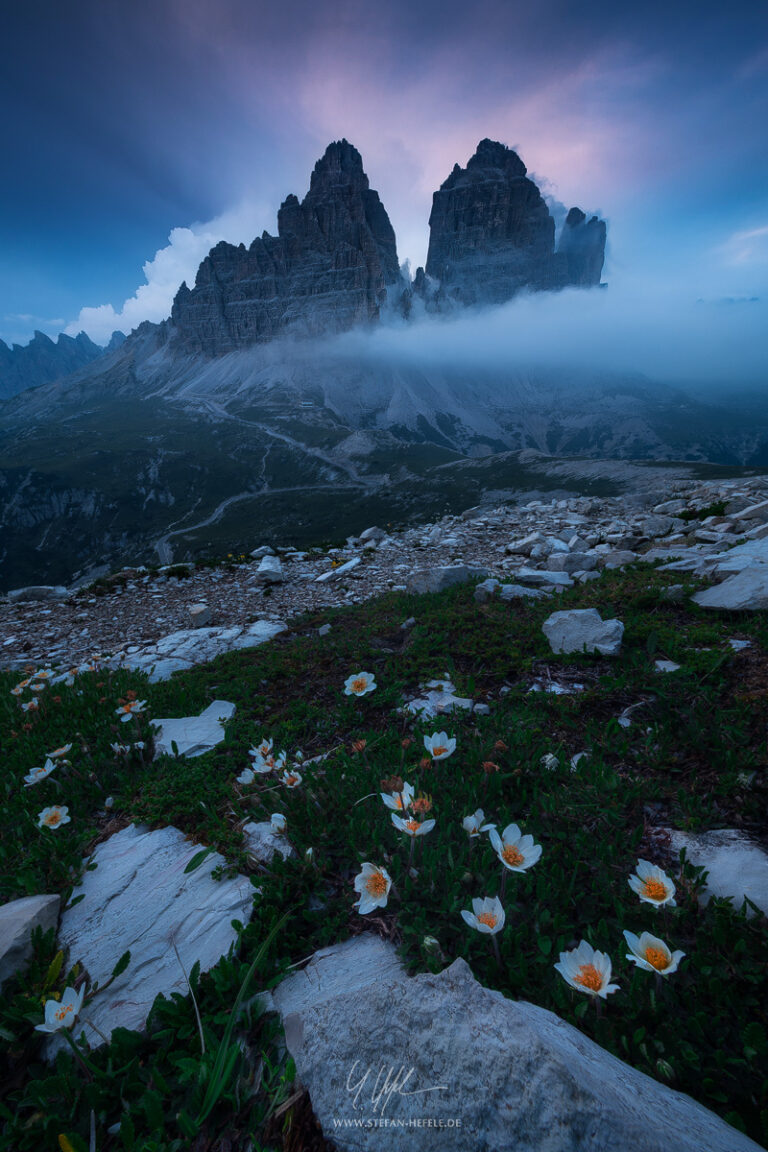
388 1082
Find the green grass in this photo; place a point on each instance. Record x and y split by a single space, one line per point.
684 759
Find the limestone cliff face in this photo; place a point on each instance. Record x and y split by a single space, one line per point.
492 234
330 267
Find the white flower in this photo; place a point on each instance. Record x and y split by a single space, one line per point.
38 774
120 749
486 916
109 802
309 855
18 690
398 801
439 745
652 954
129 709
42 674
549 762
291 779
269 763
278 822
413 827
59 752
53 817
62 1013
373 884
31 705
516 852
246 777
263 749
359 684
652 884
474 824
587 971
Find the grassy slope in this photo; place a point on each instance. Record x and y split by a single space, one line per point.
682 758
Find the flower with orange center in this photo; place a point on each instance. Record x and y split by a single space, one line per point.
413 827
652 954
400 800
359 684
439 745
291 779
487 915
53 817
516 852
475 824
62 1013
130 708
373 883
35 775
587 970
31 705
652 884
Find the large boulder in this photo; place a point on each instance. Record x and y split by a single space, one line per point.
583 630
18 920
270 570
139 899
43 592
746 591
471 1070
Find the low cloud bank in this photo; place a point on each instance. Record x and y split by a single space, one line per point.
662 334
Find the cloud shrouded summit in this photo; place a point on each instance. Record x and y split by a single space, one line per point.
130 123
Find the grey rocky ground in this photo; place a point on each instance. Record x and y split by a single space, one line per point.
539 544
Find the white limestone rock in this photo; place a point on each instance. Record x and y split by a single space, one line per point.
333 573
18 919
43 592
262 842
199 615
438 698
139 899
583 630
437 579
746 591
270 571
516 1076
180 651
737 866
193 735
520 592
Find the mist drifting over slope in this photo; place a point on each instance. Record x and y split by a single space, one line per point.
707 342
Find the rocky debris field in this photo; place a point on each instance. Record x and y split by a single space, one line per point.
138 617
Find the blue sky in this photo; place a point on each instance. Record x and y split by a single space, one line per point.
137 135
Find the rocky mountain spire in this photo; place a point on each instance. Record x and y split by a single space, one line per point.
330 267
492 234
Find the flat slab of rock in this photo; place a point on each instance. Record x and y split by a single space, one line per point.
139 899
747 591
342 570
180 651
536 578
737 866
262 842
193 735
583 630
37 592
18 919
514 1076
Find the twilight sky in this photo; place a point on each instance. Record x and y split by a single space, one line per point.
137 134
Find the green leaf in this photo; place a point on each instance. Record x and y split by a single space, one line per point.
121 965
197 859
54 970
545 944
